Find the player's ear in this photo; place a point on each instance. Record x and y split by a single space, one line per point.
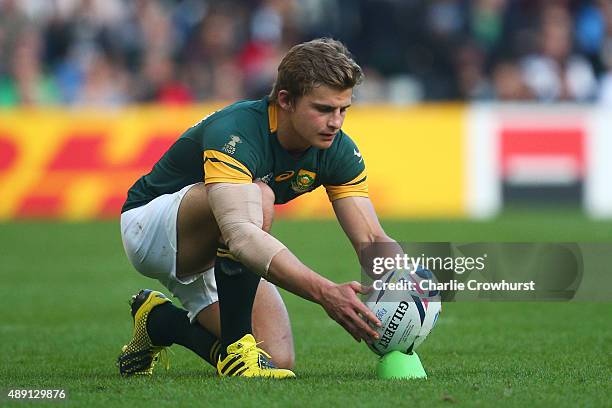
285 101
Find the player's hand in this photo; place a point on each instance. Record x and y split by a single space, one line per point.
341 303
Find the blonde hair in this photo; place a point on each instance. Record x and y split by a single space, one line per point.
323 61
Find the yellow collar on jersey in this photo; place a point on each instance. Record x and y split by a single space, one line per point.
272 119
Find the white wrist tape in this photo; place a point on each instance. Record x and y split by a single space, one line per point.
237 209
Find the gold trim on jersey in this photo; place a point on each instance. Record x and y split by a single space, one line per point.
361 177
357 187
221 168
224 253
272 118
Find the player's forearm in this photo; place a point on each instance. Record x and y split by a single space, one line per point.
380 247
290 274
360 223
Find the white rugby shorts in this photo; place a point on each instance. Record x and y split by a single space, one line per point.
149 239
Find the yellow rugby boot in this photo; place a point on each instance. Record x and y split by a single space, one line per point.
245 359
139 356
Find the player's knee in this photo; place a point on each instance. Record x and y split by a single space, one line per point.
267 194
267 204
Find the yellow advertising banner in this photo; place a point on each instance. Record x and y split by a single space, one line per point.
79 164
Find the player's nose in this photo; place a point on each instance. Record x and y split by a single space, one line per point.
335 121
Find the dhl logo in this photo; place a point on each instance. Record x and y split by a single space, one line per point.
78 180
80 167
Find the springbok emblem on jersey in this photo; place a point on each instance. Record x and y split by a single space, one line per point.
303 181
230 147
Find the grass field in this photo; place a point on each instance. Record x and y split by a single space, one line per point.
65 315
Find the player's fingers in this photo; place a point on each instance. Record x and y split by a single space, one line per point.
342 319
367 313
351 323
367 289
351 329
359 288
363 289
365 331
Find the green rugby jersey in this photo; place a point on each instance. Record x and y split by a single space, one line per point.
239 144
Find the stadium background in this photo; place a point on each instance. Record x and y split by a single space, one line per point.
92 92
483 120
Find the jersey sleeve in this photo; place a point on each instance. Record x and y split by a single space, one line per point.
229 155
346 174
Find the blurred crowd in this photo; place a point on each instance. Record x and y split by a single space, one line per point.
114 52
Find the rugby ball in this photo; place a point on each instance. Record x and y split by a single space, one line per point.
407 312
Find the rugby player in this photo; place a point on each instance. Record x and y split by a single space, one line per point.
199 222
